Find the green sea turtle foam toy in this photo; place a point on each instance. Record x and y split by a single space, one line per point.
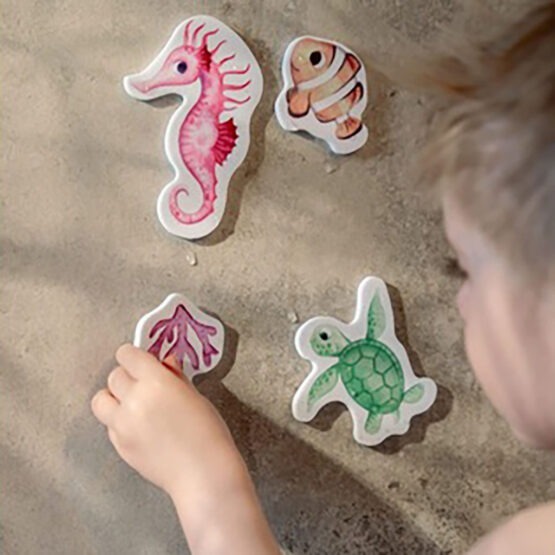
364 366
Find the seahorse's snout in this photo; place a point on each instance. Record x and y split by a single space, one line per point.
135 84
140 85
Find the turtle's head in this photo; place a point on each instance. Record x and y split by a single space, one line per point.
327 341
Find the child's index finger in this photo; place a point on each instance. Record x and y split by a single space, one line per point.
137 362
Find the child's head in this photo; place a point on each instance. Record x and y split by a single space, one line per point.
493 161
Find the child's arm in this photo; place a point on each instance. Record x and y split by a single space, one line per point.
531 531
162 427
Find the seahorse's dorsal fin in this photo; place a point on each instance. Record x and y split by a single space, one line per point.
204 57
225 143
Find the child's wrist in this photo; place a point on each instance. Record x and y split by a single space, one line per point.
209 507
222 467
199 487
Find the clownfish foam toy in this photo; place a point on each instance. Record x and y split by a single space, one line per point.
325 93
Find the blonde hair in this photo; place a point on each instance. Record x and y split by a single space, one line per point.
494 147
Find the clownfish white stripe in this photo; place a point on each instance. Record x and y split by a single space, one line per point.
336 96
334 68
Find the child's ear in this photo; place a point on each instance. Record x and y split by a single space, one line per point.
298 102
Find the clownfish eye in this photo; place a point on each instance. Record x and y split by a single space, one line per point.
316 59
181 67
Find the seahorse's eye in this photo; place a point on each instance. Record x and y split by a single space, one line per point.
181 67
316 59
324 336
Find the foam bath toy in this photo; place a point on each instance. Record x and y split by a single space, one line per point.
207 138
324 93
178 328
364 366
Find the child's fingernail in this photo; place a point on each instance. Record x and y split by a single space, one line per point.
172 364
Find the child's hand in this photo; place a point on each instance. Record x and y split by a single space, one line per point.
159 424
162 427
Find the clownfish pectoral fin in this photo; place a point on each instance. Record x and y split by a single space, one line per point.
298 102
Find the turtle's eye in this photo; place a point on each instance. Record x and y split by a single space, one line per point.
316 59
324 336
181 67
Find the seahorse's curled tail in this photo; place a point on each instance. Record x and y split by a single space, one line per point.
203 212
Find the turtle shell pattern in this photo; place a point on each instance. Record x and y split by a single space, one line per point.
372 375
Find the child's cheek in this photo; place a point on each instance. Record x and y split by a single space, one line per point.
463 299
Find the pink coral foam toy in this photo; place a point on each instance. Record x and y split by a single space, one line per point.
207 138
179 329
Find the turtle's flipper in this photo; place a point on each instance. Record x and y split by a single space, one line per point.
323 385
414 394
373 423
376 318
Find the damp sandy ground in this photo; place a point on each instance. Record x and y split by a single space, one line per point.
84 257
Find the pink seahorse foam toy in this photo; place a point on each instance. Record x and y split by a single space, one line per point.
207 138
